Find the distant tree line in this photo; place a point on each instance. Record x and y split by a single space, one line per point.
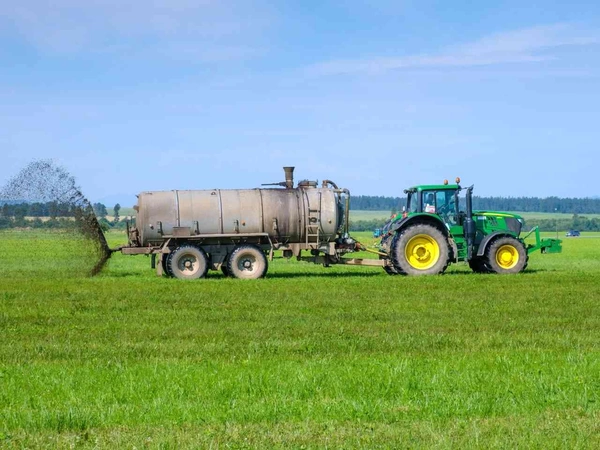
55 215
51 209
524 204
376 203
536 204
576 222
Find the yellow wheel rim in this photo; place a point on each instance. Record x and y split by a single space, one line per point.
507 256
422 252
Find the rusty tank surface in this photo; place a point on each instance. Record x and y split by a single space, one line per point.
238 230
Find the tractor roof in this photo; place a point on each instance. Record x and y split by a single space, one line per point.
434 187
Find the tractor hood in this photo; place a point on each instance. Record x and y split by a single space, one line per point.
500 220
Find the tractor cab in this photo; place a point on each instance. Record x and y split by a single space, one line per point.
441 200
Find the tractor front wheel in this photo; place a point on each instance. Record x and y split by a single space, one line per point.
420 250
506 255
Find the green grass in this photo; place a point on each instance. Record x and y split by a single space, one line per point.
344 357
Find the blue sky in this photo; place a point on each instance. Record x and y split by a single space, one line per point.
377 96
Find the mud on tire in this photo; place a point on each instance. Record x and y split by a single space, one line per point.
187 262
247 262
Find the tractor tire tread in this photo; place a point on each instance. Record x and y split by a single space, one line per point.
400 262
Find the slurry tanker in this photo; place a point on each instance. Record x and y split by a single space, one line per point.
238 231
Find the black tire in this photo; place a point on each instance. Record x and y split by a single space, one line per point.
224 268
188 262
477 265
391 270
506 255
247 262
165 267
389 267
420 250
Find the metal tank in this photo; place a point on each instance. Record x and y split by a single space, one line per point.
283 214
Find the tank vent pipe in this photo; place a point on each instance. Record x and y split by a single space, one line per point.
289 177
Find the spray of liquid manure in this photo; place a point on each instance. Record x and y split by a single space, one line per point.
43 181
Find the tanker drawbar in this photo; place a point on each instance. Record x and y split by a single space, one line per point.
237 231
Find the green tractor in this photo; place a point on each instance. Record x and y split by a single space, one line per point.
439 227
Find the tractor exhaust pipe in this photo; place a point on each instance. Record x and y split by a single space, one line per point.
469 225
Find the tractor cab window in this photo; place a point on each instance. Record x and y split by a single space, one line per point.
412 204
442 203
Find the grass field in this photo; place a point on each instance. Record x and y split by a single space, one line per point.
309 357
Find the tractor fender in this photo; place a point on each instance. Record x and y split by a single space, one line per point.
419 218
488 239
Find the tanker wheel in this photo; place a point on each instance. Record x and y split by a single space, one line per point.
247 262
188 262
506 255
477 265
165 267
224 268
420 250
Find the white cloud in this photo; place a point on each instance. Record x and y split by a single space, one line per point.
71 26
527 45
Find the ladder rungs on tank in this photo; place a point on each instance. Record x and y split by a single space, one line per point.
313 224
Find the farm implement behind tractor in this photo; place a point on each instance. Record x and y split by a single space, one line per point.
439 227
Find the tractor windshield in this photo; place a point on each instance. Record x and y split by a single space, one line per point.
441 202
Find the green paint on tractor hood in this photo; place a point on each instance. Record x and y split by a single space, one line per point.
497 214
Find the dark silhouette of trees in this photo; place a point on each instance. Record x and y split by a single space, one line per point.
523 204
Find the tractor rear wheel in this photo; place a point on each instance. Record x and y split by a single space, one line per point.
506 255
389 267
391 270
420 250
187 262
247 262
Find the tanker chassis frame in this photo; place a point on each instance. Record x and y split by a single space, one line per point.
220 246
